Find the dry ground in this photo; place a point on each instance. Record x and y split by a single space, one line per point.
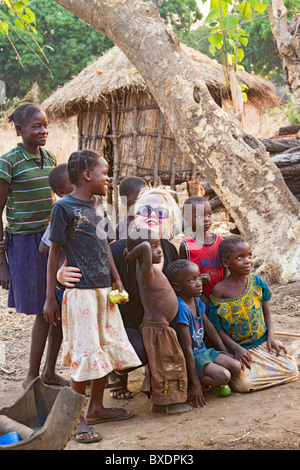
266 420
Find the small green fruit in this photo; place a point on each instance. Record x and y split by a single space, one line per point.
225 391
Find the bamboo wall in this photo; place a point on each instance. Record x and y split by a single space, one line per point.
131 132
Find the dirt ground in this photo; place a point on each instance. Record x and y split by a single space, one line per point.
265 420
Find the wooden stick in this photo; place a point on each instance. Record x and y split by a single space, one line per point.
286 333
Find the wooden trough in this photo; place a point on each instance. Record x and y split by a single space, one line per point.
44 417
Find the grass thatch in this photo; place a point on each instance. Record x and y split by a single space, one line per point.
113 71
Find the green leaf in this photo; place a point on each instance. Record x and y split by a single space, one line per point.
245 10
19 24
212 49
20 5
27 18
244 41
3 27
217 40
240 55
30 14
212 15
258 5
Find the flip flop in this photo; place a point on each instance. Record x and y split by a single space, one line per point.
87 441
115 417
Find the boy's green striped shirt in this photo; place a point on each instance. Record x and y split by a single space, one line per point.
30 197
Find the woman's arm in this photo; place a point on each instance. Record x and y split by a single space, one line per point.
68 276
196 391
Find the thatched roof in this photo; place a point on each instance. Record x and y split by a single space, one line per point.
113 71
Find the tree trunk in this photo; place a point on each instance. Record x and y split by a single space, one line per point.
235 164
287 37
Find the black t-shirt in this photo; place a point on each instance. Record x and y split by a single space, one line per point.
79 227
133 312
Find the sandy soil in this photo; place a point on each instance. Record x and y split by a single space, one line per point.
266 420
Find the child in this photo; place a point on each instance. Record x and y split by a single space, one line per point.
60 185
202 245
239 310
25 191
94 338
129 190
205 366
166 380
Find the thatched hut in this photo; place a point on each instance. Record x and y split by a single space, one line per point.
118 116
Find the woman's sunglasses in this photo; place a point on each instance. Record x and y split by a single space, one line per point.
160 212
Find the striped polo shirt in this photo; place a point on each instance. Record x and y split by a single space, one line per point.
30 198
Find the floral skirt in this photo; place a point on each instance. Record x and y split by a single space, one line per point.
267 370
94 338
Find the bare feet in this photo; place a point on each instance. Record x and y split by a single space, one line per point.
47 380
174 409
55 379
178 408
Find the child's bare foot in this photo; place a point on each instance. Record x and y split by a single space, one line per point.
178 408
28 381
55 379
157 408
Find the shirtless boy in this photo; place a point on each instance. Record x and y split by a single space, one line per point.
166 380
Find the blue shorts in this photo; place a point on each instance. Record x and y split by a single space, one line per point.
28 272
203 358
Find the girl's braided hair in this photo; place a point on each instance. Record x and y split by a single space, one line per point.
80 161
175 269
23 112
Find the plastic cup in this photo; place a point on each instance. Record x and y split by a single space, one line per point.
10 438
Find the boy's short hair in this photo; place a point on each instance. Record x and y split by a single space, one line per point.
57 176
131 184
227 245
137 236
195 200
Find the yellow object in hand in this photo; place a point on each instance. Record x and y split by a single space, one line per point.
115 297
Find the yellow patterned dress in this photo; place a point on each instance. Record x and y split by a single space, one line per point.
243 320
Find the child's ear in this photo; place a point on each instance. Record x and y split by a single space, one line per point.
87 174
224 261
176 286
18 130
60 193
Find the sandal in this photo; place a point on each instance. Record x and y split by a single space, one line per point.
119 389
87 441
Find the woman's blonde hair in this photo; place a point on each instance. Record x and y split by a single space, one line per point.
168 196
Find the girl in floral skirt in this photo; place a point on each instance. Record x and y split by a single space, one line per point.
94 338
